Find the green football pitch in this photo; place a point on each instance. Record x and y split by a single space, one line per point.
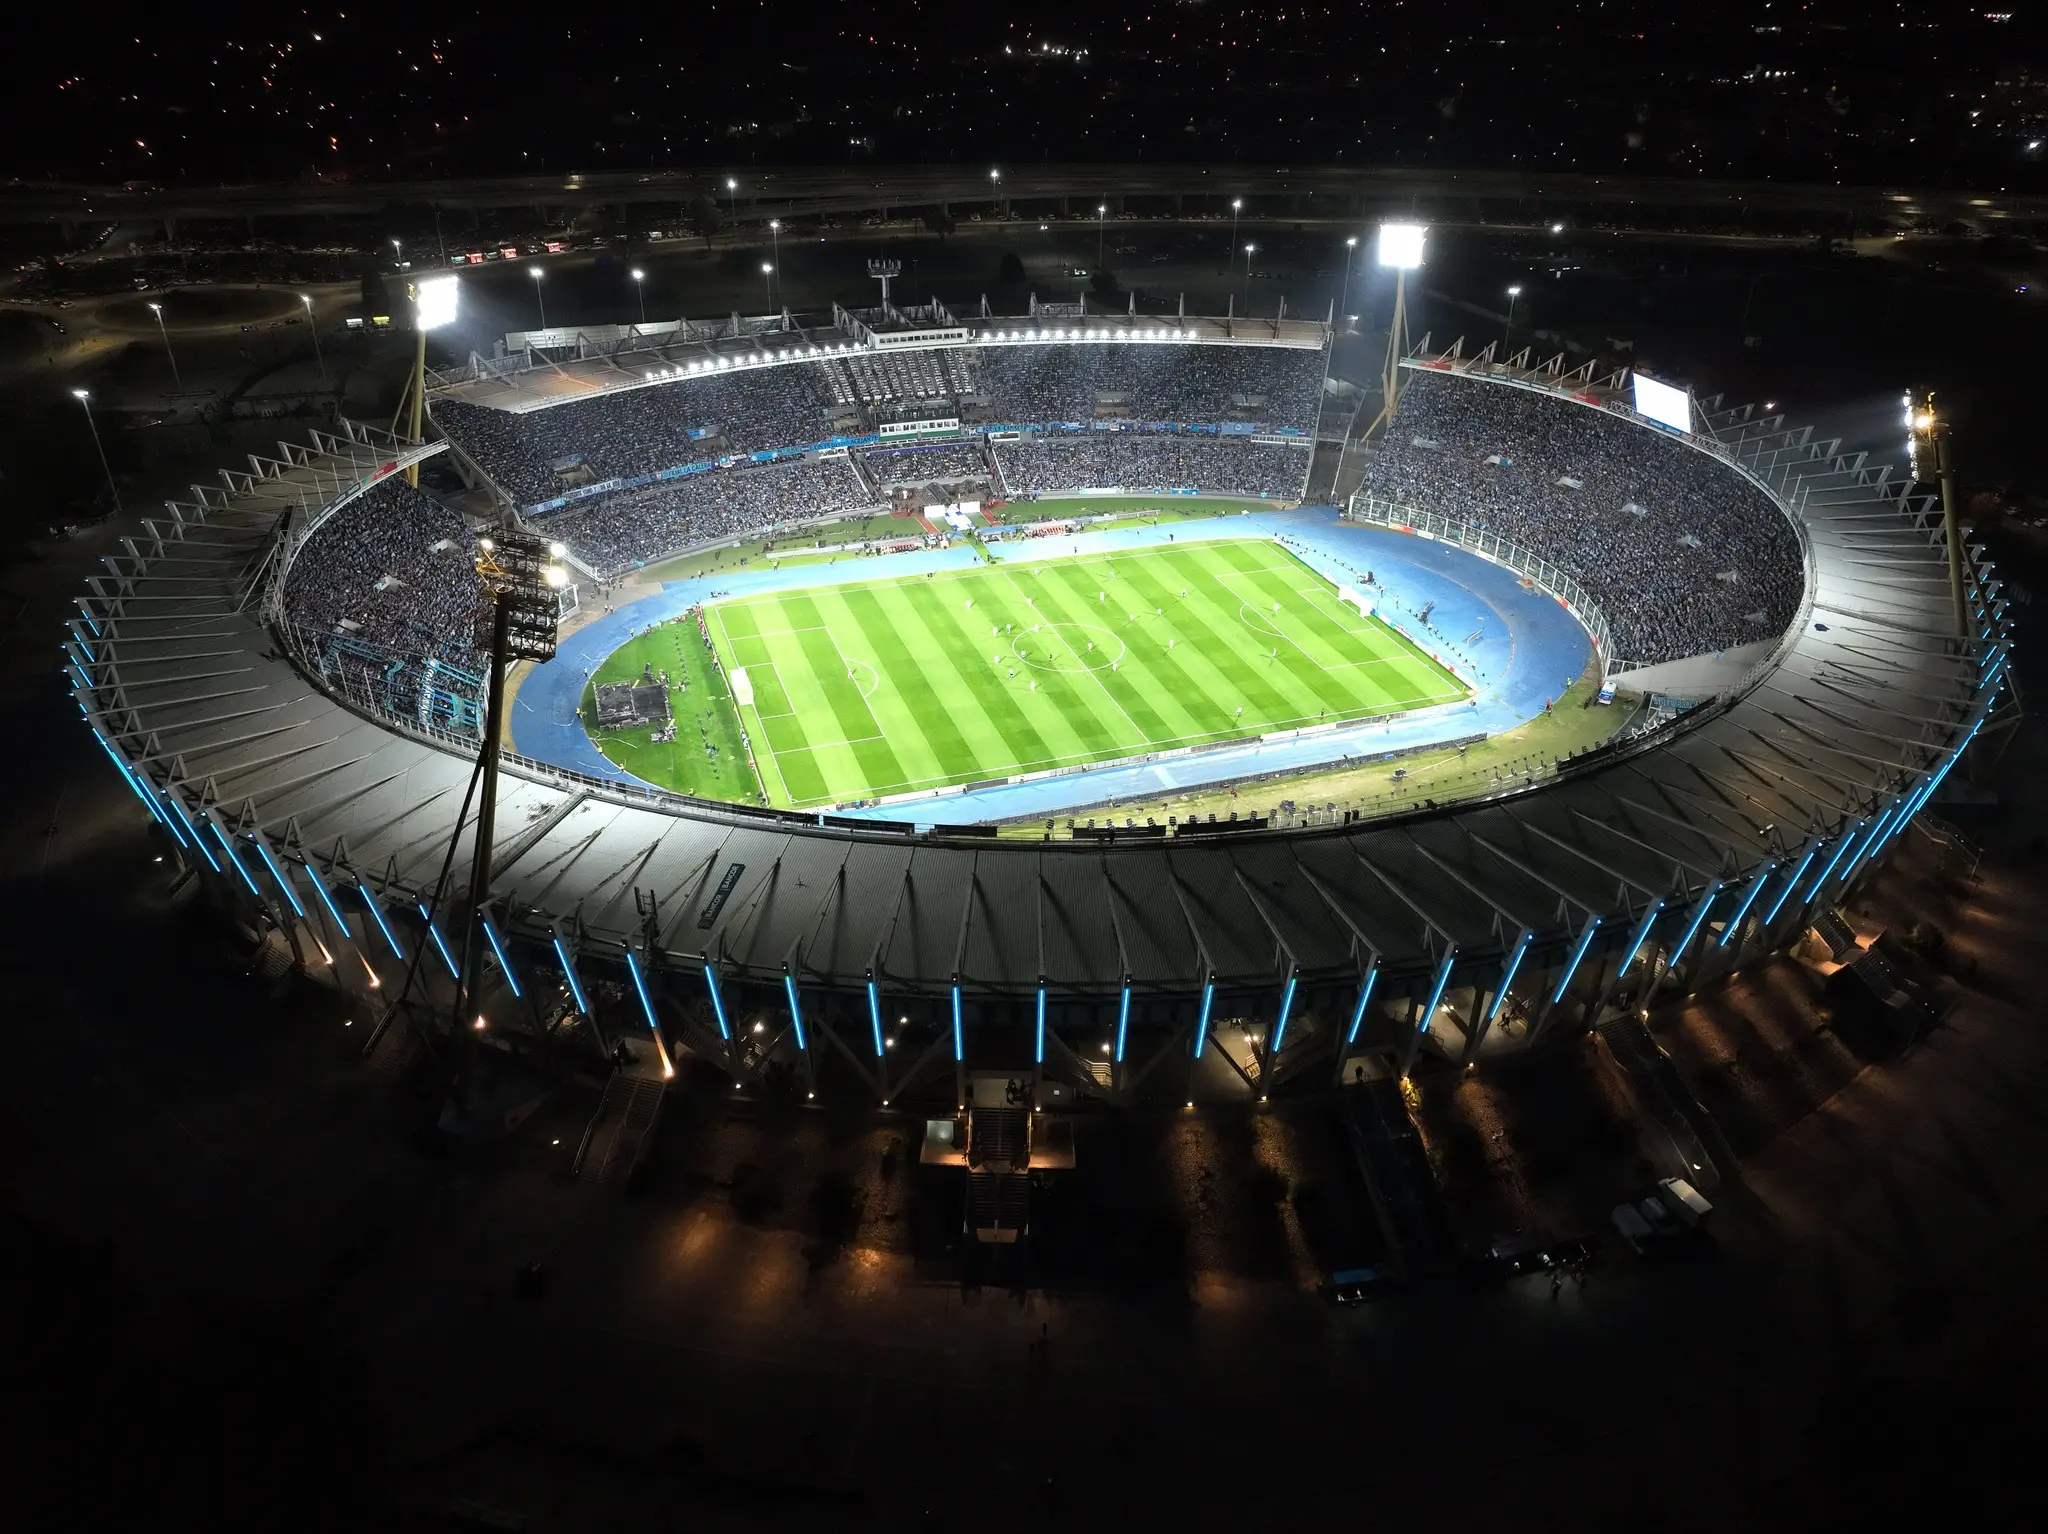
861 691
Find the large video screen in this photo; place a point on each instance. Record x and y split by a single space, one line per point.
1663 404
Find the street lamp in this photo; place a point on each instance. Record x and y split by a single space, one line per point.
1514 293
732 201
1101 213
775 243
1248 277
397 253
535 273
84 398
1344 288
1236 207
158 311
768 282
314 325
639 287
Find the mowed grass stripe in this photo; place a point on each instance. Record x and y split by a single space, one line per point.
1151 685
946 713
925 704
780 739
1101 723
1310 648
856 733
1147 713
1034 730
1223 639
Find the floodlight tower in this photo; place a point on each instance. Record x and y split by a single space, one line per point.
434 304
1931 456
1400 247
885 271
523 576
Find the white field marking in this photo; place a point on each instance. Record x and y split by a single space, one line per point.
1247 735
1096 677
767 750
742 687
1253 614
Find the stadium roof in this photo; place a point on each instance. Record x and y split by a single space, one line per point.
1866 695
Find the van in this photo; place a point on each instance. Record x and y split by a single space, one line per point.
1635 1230
1687 1207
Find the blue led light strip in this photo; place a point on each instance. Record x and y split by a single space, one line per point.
1507 976
434 932
796 1013
1699 919
1827 873
1123 1019
1039 1054
1372 973
1443 978
717 1001
1286 1011
198 841
875 1019
1642 933
498 948
377 916
1756 887
228 847
640 990
569 974
320 889
1202 1023
1585 942
959 1038
1790 884
269 862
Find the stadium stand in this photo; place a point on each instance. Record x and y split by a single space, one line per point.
1135 461
537 455
619 532
640 431
926 465
1680 553
393 569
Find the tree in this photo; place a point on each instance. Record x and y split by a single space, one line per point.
1011 272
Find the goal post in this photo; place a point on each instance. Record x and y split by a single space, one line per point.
1351 596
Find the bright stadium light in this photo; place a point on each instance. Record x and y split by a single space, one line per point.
535 273
640 287
1401 246
435 302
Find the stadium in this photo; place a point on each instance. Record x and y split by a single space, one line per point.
1570 701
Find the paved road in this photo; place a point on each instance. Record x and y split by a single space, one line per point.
837 190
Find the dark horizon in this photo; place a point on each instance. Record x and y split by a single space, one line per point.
1825 92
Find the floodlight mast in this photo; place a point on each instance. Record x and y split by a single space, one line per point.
521 575
434 304
1930 435
1400 246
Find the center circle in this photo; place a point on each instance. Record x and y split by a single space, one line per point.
1064 647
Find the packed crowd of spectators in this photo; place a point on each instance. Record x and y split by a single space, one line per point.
641 431
1140 461
1682 554
928 465
1180 382
617 533
394 570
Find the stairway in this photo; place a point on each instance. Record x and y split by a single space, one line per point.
998 1206
621 1129
999 1138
